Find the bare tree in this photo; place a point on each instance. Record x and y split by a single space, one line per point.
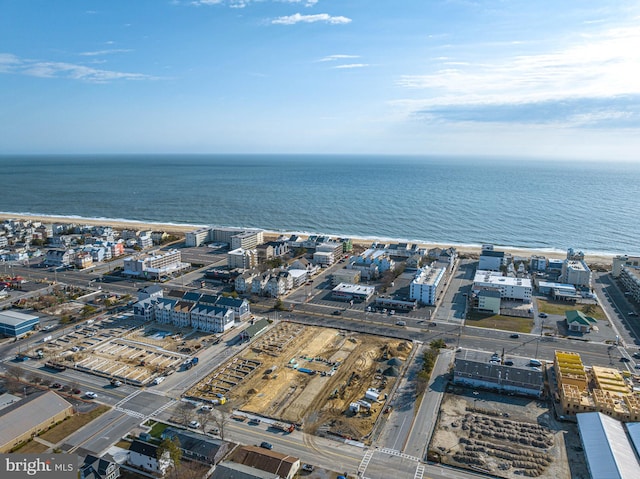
205 419
14 372
34 378
186 412
220 416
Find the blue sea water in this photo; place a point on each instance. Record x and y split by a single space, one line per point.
468 201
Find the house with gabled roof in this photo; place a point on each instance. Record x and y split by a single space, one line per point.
578 321
283 465
94 467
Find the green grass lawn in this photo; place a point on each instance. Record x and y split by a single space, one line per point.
157 429
559 307
72 424
497 321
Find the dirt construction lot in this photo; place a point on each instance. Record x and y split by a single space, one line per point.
311 376
505 436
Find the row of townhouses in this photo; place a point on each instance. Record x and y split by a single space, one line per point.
209 313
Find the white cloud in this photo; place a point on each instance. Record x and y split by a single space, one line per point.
104 52
351 65
12 64
320 17
596 65
332 58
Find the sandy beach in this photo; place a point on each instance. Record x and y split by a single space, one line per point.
179 229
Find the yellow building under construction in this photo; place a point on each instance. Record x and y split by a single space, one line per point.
595 389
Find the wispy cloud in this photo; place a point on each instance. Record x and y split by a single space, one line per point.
351 65
320 17
104 52
45 69
244 3
570 84
333 58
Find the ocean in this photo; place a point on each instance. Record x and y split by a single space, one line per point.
542 205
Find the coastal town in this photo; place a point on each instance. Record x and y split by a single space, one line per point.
152 350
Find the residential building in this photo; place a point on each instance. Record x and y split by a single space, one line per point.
144 240
491 260
510 288
211 319
345 276
427 285
328 253
197 447
197 237
247 240
159 237
487 300
94 467
155 264
145 456
576 272
60 257
630 279
242 258
283 465
538 263
242 283
83 260
619 261
233 470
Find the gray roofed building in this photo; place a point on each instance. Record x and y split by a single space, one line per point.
254 330
95 467
33 414
233 470
492 371
197 446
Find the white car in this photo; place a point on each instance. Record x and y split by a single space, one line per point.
206 408
194 424
91 395
158 380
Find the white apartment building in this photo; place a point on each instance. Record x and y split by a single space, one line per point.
576 272
197 237
491 260
510 288
211 318
427 285
155 264
623 260
242 259
247 239
630 279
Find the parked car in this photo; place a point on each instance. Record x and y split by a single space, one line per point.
543 315
514 336
76 391
266 445
56 385
91 395
633 313
194 424
206 408
624 359
307 467
337 312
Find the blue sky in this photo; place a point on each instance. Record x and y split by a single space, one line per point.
426 77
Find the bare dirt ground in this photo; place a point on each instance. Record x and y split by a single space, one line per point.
310 375
506 436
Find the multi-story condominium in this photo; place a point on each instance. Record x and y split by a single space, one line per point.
156 264
259 283
279 283
488 300
573 255
265 252
323 258
181 316
117 249
197 237
538 263
163 309
427 285
242 258
128 234
620 261
144 240
510 288
351 276
335 249
59 257
247 239
83 260
576 272
630 279
242 284
224 235
491 260
212 319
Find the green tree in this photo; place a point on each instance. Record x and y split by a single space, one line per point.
172 446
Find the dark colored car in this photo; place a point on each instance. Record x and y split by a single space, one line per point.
56 385
337 312
266 445
624 359
542 315
514 336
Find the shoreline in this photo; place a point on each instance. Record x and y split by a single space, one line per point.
182 228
